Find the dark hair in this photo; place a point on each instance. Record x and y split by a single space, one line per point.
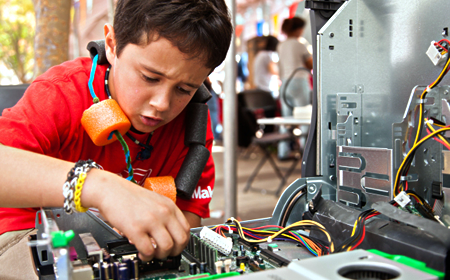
271 44
292 24
200 28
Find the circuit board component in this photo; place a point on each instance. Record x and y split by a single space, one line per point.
222 244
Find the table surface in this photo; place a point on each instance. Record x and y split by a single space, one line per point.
284 121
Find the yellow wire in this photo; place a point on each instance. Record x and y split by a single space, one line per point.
354 227
419 128
440 125
440 136
307 240
432 85
355 224
418 198
415 147
296 224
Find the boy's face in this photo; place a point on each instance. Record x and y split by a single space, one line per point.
153 83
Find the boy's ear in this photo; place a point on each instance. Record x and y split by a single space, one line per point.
110 43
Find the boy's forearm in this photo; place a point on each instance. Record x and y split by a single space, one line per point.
31 180
193 219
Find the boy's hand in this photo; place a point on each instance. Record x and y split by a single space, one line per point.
151 221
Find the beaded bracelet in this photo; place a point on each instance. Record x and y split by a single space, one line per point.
77 196
74 184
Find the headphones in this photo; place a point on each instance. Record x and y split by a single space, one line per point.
195 130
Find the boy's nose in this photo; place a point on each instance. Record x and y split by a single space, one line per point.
161 100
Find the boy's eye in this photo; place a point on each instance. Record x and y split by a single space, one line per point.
184 90
148 79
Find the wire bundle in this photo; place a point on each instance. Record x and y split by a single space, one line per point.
271 233
400 185
359 231
439 138
421 205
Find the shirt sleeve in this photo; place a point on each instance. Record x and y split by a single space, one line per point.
304 53
36 122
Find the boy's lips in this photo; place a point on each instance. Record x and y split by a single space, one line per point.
148 121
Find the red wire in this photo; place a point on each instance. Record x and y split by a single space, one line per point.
439 140
440 46
442 142
364 231
274 226
444 40
415 198
362 238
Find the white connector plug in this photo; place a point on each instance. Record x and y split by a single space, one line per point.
402 199
222 244
435 56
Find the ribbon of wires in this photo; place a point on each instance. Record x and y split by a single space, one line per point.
296 232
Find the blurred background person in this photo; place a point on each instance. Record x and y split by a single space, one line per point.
265 66
295 64
213 105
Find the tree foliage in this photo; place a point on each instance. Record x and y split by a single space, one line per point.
17 37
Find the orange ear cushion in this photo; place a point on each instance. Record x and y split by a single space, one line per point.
164 185
103 118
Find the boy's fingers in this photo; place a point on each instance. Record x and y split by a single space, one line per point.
164 243
180 238
146 248
170 239
155 246
183 221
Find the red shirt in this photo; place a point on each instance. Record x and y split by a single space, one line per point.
47 121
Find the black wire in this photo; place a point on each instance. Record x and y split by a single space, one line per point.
423 204
408 161
360 224
422 108
286 205
146 150
287 211
325 246
311 228
107 82
407 165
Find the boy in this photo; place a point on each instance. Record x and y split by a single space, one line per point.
159 54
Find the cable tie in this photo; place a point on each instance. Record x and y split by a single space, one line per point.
232 219
403 178
230 231
428 89
269 239
421 101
